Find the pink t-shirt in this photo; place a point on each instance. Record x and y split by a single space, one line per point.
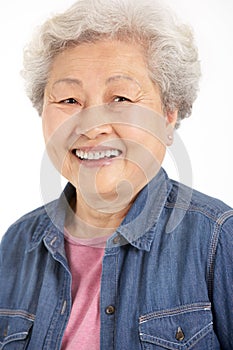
85 262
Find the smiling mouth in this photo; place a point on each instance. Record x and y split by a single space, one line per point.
97 155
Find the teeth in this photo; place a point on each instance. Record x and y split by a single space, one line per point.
97 155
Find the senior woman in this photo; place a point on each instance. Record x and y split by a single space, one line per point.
126 258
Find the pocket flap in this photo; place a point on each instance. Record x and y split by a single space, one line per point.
14 326
177 328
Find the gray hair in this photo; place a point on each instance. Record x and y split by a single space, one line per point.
169 47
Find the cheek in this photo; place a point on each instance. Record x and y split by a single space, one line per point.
144 150
135 136
52 119
52 122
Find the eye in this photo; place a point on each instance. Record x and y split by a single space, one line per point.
70 101
121 99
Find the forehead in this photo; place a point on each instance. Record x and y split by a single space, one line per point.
115 56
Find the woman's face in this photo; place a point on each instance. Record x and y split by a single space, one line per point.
103 120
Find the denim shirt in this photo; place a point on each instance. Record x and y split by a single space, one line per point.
167 275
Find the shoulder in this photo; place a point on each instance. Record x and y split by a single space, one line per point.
33 226
184 198
206 221
34 222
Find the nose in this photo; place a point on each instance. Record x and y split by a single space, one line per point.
93 122
98 131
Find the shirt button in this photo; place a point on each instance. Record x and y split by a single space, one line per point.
180 334
110 310
116 240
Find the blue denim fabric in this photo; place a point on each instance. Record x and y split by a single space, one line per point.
167 281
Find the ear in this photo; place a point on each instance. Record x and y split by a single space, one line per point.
171 119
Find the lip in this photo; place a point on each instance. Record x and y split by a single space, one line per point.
107 154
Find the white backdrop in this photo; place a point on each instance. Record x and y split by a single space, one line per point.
207 135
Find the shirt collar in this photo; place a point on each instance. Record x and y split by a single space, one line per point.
52 219
137 228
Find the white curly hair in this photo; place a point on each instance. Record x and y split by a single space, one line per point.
170 51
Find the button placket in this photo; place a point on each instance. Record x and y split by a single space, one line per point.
109 297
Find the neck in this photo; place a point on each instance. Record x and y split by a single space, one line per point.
86 221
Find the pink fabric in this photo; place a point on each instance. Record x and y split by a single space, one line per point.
85 261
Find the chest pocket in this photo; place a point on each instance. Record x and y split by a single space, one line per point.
183 328
15 327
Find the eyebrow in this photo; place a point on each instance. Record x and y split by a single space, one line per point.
69 81
124 77
108 81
